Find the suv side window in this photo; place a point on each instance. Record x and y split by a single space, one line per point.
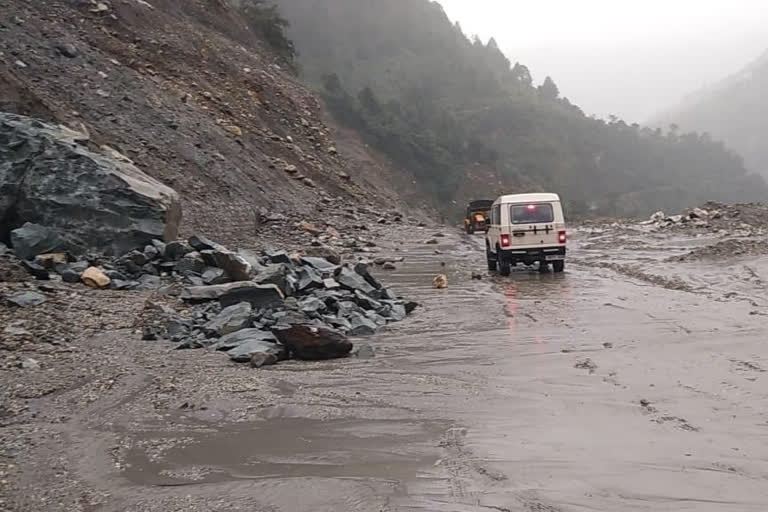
496 215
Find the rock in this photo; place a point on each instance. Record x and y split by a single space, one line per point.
276 275
291 169
201 243
69 275
432 241
213 276
277 256
50 260
675 219
309 227
440 281
361 325
698 213
115 274
178 327
151 252
323 252
310 342
333 151
67 50
477 276
136 257
31 239
148 282
3 248
658 216
258 295
331 284
236 267
26 299
95 278
231 319
241 337
312 305
308 278
35 270
176 250
95 201
233 129
320 264
366 351
410 307
267 352
351 280
253 260
389 266
120 284
190 262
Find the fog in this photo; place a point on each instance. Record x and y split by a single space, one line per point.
633 59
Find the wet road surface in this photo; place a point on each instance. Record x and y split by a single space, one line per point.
601 389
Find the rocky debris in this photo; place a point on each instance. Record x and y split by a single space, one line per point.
96 201
477 276
26 299
440 281
313 343
389 266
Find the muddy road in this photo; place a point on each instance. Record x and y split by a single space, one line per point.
629 383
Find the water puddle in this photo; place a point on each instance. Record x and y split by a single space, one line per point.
286 448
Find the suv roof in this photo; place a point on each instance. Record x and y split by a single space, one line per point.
528 198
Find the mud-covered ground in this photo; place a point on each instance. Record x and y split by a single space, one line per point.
634 381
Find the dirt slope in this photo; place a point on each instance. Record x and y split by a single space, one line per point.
187 92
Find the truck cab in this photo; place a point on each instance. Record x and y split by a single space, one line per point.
527 229
477 215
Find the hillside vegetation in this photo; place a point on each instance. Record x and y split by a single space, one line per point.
448 107
735 110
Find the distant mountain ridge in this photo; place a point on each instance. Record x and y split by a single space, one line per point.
734 110
468 123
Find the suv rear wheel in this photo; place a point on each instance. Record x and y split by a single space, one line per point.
505 267
558 266
490 258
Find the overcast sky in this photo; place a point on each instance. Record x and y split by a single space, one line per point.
631 58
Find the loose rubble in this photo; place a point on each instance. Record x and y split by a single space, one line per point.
257 308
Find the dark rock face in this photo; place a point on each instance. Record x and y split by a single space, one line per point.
313 343
90 201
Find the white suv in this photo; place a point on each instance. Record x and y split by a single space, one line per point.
526 228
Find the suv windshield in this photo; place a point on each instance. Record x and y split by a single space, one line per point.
531 213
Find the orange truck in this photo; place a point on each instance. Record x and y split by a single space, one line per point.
478 212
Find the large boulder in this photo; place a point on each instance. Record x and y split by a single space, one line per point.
88 200
311 342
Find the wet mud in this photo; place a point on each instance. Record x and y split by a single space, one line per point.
629 383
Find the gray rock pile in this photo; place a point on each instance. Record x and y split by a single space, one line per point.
264 308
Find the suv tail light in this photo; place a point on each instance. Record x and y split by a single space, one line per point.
562 237
505 240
